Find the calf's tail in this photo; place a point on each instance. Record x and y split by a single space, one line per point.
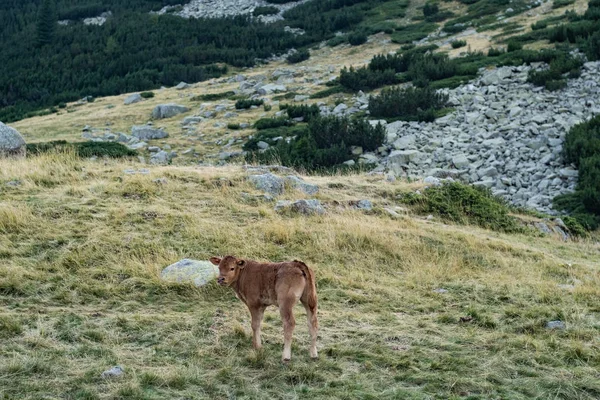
309 296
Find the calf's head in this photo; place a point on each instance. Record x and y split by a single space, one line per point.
229 269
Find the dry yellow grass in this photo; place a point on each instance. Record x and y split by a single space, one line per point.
82 246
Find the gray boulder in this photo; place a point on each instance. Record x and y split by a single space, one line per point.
460 161
405 142
182 85
268 182
197 272
298 183
12 143
161 157
271 88
168 110
496 76
404 156
305 207
145 132
134 98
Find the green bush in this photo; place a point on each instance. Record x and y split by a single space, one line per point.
419 66
539 25
245 104
452 28
554 85
337 40
364 78
269 123
430 9
458 43
582 141
357 38
299 56
82 149
513 45
432 67
210 96
413 32
465 204
233 126
265 10
411 103
493 52
147 95
62 105
324 144
562 3
437 16
307 112
552 78
582 148
269 135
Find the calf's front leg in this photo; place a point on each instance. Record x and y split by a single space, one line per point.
257 316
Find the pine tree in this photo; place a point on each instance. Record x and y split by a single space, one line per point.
46 23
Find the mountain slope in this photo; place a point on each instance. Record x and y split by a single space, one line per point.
83 243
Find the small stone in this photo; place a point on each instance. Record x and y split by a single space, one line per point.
556 325
114 372
306 207
566 286
364 205
440 291
262 145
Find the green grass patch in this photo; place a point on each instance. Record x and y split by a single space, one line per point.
328 92
413 32
213 96
82 149
464 204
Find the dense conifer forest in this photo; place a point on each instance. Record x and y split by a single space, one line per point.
44 63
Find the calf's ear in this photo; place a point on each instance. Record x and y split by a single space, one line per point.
215 260
241 264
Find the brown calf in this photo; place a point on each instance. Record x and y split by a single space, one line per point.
260 285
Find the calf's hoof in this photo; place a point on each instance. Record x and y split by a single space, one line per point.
286 360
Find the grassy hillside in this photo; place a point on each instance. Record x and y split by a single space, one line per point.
82 244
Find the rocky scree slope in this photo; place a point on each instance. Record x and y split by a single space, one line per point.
229 8
505 134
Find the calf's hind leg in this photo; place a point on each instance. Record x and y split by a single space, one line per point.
289 323
313 326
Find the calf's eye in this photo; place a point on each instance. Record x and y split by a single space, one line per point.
232 269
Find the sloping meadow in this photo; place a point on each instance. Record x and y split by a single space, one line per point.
409 307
